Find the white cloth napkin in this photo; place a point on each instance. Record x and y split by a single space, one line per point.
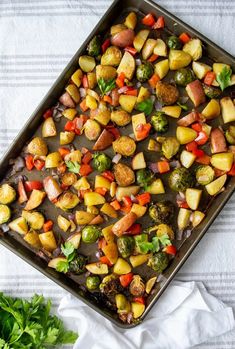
185 315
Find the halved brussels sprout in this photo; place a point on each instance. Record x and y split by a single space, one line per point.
7 194
67 201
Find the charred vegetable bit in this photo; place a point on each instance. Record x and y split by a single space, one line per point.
108 176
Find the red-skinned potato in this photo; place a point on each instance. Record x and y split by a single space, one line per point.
123 38
196 92
67 101
189 119
124 223
52 188
218 142
104 141
115 97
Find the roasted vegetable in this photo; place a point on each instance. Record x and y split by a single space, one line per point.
196 92
212 110
120 117
218 141
124 38
140 39
180 179
78 264
32 238
34 219
200 69
110 285
51 188
35 199
93 199
105 72
170 147
137 286
174 42
230 135
166 93
179 59
227 109
144 177
185 134
92 282
211 91
90 234
67 201
112 56
104 141
158 262
184 76
48 241
161 68
7 194
92 129
101 162
49 128
124 175
37 146
87 63
126 191
124 224
94 46
53 160
124 145
121 267
126 245
160 122
5 213
214 187
144 71
193 48
127 66
165 229
162 212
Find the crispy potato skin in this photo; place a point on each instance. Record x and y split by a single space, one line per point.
124 175
167 93
124 145
218 142
120 117
123 38
124 223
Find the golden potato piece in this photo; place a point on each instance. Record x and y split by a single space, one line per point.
124 175
120 117
37 146
124 145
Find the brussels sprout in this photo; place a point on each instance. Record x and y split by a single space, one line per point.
160 122
94 47
230 135
174 42
144 177
158 262
165 229
90 234
67 201
126 245
180 179
101 162
7 194
92 282
137 286
144 71
205 174
5 214
170 147
110 285
184 76
211 91
166 93
78 264
162 212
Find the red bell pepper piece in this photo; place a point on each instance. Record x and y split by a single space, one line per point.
83 105
30 185
63 151
105 260
163 166
140 300
197 127
120 81
148 20
209 78
153 58
108 175
22 193
160 23
135 229
191 146
47 226
69 126
171 249
232 171
205 159
101 191
131 50
39 164
143 199
62 168
198 153
107 99
105 45
85 83
29 162
85 170
182 204
202 138
132 92
218 172
184 37
115 204
126 279
142 131
127 201
48 114
153 80
87 158
101 243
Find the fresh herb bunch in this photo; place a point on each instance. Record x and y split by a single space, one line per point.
28 324
73 166
145 246
224 77
68 251
106 85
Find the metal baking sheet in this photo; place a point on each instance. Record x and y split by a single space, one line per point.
15 243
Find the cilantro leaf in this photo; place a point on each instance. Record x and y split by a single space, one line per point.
146 106
224 77
68 250
106 85
155 244
62 266
164 239
183 106
73 166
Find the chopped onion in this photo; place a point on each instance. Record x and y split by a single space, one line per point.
18 164
138 84
138 61
179 235
129 317
87 273
158 105
187 233
132 135
116 158
123 89
153 98
56 252
98 254
133 199
71 216
82 92
72 147
191 217
5 228
175 164
182 195
153 167
57 116
184 99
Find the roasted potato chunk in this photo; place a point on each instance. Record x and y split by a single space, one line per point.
120 117
112 56
37 146
167 93
124 175
124 145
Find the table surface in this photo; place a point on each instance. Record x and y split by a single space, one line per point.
37 39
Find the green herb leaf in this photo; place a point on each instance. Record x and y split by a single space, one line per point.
155 244
68 250
73 166
183 106
146 106
106 85
164 239
62 266
224 77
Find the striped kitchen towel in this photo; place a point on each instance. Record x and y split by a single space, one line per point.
37 39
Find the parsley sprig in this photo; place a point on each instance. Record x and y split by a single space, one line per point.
106 85
72 166
144 246
146 106
28 324
224 77
68 251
